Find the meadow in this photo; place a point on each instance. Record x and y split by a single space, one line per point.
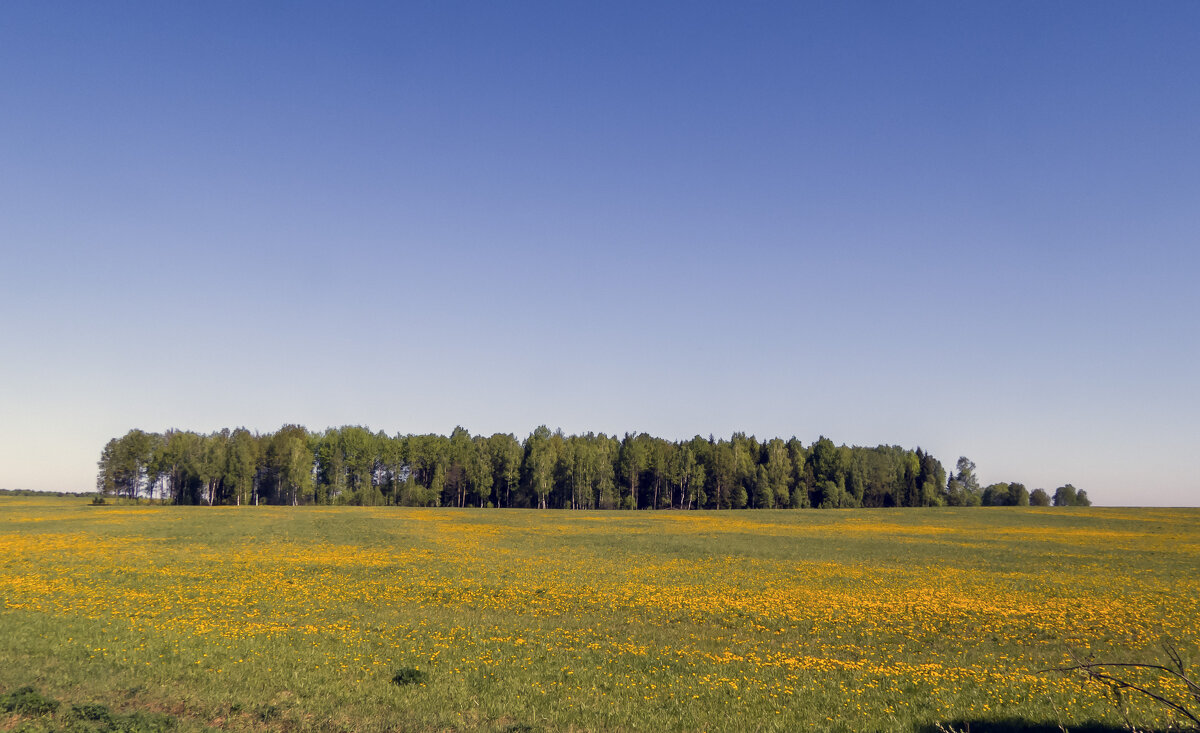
282 618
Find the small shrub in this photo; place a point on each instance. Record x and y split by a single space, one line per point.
409 676
267 713
92 711
98 500
27 701
139 722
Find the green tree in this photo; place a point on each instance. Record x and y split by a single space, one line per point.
931 476
829 495
125 463
962 489
506 455
779 472
1068 495
360 456
290 459
539 464
479 471
764 494
214 460
828 472
1039 497
242 465
996 495
1018 495
632 459
720 470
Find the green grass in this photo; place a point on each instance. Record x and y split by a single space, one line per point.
427 620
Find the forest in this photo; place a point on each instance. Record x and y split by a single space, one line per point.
352 465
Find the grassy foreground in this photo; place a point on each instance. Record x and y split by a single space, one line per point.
855 620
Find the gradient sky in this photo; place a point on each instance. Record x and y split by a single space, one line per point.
970 227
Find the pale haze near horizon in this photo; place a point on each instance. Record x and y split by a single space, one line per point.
966 228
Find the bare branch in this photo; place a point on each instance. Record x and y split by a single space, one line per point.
1098 671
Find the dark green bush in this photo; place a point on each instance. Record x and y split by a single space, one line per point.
92 711
409 676
27 701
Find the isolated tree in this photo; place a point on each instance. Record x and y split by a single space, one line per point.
1068 495
1039 497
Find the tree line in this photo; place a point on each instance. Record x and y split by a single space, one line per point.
352 465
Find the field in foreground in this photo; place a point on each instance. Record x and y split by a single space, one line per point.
855 620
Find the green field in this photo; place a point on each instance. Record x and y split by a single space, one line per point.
286 618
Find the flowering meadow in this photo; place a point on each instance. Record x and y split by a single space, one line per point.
294 618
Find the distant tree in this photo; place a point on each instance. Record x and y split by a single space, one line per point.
506 456
479 471
996 495
107 481
539 464
693 480
290 461
459 468
764 495
828 495
213 464
801 478
1039 497
910 490
242 465
1068 495
779 471
930 478
1018 495
125 464
745 469
825 463
351 464
720 473
632 460
605 460
962 488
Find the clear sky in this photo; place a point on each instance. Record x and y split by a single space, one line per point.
970 227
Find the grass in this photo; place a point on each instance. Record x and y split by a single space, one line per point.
359 619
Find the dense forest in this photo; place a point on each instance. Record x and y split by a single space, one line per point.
352 465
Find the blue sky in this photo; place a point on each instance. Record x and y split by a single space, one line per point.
965 226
